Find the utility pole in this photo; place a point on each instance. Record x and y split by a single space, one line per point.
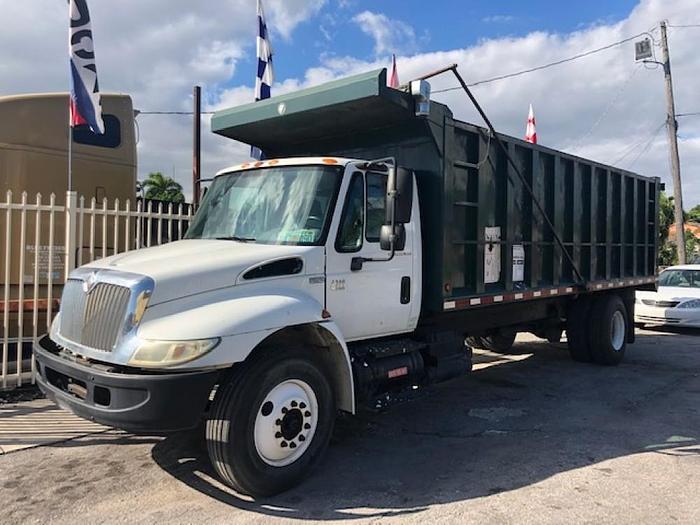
197 144
672 126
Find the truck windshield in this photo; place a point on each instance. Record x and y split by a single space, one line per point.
281 205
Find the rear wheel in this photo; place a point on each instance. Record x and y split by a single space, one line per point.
577 330
499 343
475 342
609 326
270 425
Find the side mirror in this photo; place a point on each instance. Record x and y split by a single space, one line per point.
398 236
399 196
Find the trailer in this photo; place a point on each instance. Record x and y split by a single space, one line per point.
34 162
378 242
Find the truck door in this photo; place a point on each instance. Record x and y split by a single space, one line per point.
370 298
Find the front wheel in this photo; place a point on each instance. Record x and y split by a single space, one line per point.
271 423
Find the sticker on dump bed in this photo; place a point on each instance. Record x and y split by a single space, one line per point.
492 254
518 263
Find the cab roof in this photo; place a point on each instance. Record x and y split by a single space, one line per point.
292 161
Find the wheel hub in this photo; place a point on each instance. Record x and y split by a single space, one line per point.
292 423
617 331
286 422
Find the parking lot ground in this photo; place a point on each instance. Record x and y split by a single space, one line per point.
529 437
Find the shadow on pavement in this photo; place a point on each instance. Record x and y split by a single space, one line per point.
516 420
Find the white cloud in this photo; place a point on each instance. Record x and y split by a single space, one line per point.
390 36
157 50
569 99
286 15
498 19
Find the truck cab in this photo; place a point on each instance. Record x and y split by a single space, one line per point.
290 252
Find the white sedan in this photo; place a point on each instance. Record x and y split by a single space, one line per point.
677 301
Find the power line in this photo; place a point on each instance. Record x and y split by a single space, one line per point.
171 113
605 112
684 25
633 147
545 66
645 148
693 114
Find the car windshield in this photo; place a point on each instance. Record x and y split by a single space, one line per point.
281 205
680 278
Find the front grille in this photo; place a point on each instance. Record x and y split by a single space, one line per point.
93 319
661 304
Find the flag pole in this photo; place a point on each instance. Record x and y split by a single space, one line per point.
70 145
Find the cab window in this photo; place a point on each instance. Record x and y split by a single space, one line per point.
376 204
352 220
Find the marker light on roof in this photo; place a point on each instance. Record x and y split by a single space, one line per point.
420 89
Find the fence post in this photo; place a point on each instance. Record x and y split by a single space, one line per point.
71 240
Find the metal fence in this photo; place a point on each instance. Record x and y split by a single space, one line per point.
44 239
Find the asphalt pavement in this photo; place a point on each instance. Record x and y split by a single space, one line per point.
529 437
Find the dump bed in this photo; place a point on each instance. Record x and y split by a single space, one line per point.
484 240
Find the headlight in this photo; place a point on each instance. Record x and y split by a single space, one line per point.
693 303
168 353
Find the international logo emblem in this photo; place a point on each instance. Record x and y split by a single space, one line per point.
90 282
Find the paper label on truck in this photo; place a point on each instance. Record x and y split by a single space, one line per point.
518 263
492 255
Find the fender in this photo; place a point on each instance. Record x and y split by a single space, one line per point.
230 312
244 319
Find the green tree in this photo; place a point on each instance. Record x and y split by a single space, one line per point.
666 217
667 250
694 214
162 188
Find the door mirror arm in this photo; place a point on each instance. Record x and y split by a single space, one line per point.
399 202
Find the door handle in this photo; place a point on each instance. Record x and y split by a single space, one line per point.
356 264
405 290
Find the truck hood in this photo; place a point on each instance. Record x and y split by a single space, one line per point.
189 267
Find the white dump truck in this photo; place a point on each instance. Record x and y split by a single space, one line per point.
346 269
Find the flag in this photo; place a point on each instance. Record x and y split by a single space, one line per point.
530 131
265 75
394 78
85 104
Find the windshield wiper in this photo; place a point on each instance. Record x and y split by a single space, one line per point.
236 238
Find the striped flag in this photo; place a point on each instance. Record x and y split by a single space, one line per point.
531 131
85 103
265 75
394 78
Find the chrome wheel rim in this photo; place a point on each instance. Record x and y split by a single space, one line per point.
286 422
617 331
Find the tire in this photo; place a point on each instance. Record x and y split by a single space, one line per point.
577 330
271 423
608 334
499 343
476 342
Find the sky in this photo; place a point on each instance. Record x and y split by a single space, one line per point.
605 106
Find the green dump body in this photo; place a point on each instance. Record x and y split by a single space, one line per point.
473 205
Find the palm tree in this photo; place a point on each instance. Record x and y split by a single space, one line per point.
162 188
